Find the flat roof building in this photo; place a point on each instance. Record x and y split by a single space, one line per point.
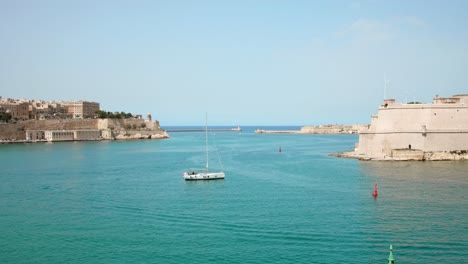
81 109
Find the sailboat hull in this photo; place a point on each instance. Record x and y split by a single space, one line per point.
204 176
196 176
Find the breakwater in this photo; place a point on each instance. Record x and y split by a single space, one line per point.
321 129
203 130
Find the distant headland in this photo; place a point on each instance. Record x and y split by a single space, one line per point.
321 129
24 120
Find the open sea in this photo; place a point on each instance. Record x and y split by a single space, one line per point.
126 202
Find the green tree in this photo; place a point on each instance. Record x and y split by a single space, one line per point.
104 114
5 117
101 114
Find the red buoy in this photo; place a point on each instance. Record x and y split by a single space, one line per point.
374 193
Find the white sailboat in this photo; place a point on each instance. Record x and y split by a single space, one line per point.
193 175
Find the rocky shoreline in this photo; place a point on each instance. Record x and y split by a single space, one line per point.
129 135
409 155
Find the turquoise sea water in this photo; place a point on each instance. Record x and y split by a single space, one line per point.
126 202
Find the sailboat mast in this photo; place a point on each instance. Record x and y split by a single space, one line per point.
206 140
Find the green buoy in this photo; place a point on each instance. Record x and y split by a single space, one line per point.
391 260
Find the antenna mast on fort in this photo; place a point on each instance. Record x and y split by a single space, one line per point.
385 86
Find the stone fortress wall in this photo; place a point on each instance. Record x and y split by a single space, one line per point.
402 129
110 128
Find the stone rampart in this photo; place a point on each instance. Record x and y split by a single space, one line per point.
126 128
17 131
435 129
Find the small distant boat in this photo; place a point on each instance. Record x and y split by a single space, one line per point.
236 128
193 175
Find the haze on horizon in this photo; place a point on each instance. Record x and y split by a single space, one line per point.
244 62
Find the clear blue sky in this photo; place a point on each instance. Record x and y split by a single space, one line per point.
244 62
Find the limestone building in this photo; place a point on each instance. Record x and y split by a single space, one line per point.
22 109
63 135
426 127
35 135
81 109
59 135
18 110
45 110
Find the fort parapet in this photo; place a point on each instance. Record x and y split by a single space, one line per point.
416 131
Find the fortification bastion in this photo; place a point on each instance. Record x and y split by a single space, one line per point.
416 131
108 128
